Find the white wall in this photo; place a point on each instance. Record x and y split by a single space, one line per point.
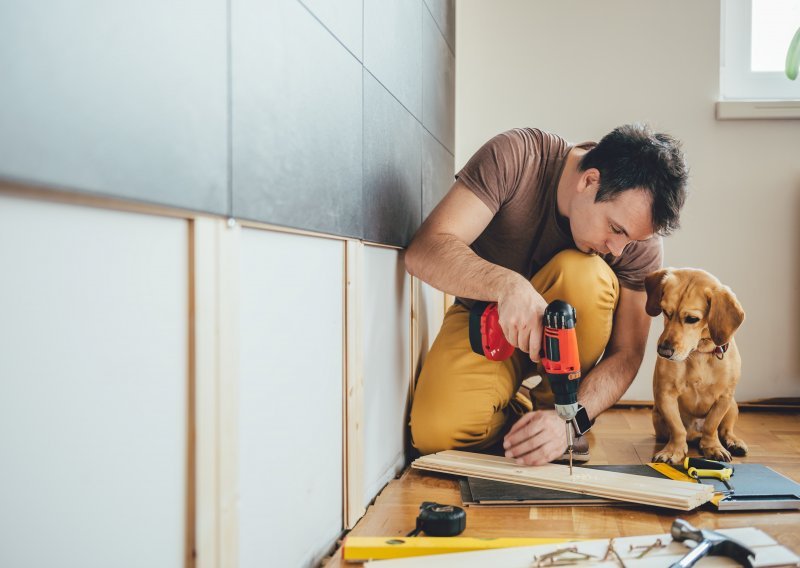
386 329
134 346
290 398
93 386
580 69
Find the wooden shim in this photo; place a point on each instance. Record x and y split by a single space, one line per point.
228 403
354 505
204 363
608 484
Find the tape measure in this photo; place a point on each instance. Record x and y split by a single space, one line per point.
440 520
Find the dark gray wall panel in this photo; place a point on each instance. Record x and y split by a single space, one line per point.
117 98
392 168
444 12
437 173
392 48
438 83
297 121
344 18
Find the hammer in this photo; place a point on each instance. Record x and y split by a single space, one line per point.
708 543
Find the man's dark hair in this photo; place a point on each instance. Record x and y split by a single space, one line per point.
633 156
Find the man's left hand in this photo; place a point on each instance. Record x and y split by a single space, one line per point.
537 438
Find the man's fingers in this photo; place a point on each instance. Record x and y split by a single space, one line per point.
510 333
527 417
527 446
527 432
534 344
523 338
542 455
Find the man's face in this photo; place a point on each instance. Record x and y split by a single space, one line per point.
607 226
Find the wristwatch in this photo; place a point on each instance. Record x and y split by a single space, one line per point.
581 423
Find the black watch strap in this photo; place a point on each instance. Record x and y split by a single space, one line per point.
581 423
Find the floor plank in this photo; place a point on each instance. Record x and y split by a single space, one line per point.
620 436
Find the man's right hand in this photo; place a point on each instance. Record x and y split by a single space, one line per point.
521 311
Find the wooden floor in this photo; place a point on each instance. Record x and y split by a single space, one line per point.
620 436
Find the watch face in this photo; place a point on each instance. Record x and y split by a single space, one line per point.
582 422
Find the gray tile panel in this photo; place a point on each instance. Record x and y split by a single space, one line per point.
343 18
120 99
438 84
444 12
392 167
393 46
437 173
297 121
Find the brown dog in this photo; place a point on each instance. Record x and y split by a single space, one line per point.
698 364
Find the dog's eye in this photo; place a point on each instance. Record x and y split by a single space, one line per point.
691 319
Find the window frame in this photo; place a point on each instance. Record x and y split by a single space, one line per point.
737 81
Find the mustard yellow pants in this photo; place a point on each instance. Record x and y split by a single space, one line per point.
462 398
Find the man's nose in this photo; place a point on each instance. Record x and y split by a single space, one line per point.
616 247
666 350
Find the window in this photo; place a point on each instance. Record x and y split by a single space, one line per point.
756 35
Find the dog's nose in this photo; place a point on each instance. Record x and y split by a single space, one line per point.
665 350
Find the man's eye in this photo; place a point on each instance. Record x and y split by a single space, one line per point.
615 230
691 319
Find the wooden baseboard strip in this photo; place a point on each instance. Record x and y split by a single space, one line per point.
607 484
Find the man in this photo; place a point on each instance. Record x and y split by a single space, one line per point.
532 218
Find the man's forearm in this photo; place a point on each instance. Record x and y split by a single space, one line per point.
448 264
605 384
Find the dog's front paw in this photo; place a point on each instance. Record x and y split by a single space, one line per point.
715 451
673 454
735 446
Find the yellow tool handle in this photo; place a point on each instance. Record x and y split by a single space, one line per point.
721 474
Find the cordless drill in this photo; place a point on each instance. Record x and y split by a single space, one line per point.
560 357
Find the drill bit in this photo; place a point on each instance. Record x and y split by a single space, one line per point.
569 446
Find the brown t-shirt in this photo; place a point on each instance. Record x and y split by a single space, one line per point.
516 175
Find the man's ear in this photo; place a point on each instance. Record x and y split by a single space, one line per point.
590 178
654 286
725 314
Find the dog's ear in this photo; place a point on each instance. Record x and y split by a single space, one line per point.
654 286
725 314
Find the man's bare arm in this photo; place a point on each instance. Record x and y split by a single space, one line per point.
610 378
440 255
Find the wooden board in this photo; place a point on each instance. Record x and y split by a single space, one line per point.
608 484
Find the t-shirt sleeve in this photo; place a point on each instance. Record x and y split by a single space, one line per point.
639 259
493 172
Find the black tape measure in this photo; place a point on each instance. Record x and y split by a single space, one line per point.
440 520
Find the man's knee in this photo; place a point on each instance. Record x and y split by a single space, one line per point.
579 278
588 283
442 429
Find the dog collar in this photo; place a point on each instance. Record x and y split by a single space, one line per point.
719 351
